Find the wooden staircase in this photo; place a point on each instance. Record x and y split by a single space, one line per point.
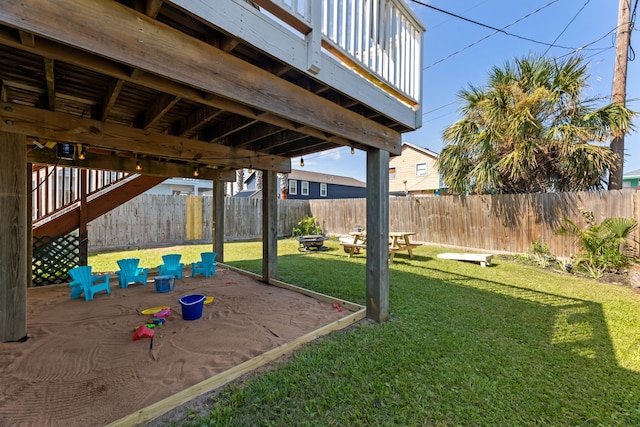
63 198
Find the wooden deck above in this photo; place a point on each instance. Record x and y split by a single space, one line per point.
184 84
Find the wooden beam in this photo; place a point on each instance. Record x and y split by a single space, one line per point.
269 226
230 127
3 91
65 127
13 244
377 273
249 135
28 39
144 43
153 7
83 233
128 164
306 146
49 70
229 43
282 138
195 120
217 227
159 108
110 97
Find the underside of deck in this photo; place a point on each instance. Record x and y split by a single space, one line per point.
172 91
187 87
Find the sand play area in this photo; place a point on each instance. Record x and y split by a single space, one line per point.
81 366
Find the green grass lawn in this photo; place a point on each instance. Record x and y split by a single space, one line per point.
505 345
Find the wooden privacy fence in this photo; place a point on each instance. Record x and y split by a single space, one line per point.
157 220
499 223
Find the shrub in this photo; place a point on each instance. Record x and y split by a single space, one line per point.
307 226
603 247
541 253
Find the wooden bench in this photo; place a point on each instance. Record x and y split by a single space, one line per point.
352 248
483 259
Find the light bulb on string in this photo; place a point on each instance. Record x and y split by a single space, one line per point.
301 162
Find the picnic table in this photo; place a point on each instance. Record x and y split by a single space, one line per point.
398 241
353 246
401 241
310 242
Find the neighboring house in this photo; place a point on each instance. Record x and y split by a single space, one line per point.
413 172
631 179
249 194
313 185
183 186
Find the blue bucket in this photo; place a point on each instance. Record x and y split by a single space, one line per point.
192 306
165 283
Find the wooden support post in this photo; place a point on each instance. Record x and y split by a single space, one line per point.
377 275
217 228
29 190
13 245
269 226
84 219
314 38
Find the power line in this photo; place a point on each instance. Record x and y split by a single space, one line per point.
496 31
433 110
567 26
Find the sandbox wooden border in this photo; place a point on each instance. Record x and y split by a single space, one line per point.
165 405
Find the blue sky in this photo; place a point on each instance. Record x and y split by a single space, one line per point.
457 53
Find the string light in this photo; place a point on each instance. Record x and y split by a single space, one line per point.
196 171
138 166
80 153
353 150
301 162
250 170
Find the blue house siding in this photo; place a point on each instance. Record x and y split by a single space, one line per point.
334 191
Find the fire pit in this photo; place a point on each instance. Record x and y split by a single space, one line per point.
308 243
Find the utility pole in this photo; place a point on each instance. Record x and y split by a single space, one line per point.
619 95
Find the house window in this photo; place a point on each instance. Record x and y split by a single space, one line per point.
323 190
304 188
293 186
421 169
392 173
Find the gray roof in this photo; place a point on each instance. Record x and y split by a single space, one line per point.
421 149
301 175
632 174
248 194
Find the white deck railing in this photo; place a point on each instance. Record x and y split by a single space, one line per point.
380 39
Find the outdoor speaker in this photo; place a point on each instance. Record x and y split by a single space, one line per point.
66 151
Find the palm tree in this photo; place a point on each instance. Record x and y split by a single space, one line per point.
603 246
529 130
240 179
